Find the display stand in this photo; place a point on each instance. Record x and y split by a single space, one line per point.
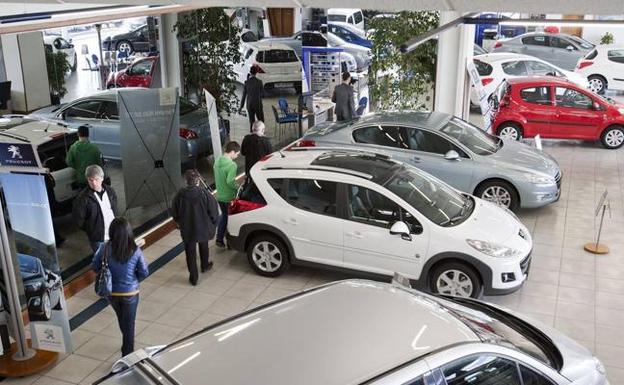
41 360
602 207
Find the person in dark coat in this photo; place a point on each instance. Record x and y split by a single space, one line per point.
95 207
252 92
255 146
343 97
196 212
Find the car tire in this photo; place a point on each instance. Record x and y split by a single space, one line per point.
499 192
122 44
598 84
613 137
268 255
457 279
509 130
46 308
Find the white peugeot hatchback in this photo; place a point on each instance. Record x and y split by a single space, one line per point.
365 212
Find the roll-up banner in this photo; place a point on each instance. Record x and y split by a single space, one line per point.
35 253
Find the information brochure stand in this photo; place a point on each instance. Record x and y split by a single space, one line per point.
602 207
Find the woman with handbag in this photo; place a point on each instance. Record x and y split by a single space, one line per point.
120 266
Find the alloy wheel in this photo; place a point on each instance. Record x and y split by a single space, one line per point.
508 132
596 85
124 47
454 282
614 138
267 256
498 195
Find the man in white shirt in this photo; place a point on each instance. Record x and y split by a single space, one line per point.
95 207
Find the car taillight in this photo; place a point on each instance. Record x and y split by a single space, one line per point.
498 44
306 143
187 134
486 81
584 63
260 70
240 206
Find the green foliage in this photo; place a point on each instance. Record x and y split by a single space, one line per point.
607 38
397 80
211 47
57 66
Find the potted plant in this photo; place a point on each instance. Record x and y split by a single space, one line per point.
607 38
57 66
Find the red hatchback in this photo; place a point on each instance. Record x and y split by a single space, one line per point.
555 108
141 73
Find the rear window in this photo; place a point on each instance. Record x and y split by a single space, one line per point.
336 18
592 55
484 69
277 56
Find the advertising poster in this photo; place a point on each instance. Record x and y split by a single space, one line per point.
150 144
29 214
484 103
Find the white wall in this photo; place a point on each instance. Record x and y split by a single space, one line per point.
594 34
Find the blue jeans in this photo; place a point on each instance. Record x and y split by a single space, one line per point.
223 220
125 309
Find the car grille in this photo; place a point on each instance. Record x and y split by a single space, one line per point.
525 264
558 179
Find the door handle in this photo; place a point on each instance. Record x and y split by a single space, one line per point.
416 159
356 234
290 221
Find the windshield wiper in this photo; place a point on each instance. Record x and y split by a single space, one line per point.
462 212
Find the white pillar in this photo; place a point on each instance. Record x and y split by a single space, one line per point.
25 65
170 52
455 46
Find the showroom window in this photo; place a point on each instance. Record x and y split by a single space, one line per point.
83 110
567 97
536 95
421 140
616 55
484 69
539 68
530 377
317 196
535 40
387 136
514 68
482 369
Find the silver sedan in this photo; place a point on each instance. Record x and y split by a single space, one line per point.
508 173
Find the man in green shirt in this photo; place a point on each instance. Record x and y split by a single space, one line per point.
225 181
83 154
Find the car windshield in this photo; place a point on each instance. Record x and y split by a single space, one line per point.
497 327
478 141
439 202
582 42
336 18
186 106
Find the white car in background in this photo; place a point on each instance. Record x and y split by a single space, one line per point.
493 68
352 16
603 67
360 211
362 55
57 43
278 64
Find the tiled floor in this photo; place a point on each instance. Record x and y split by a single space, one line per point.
576 292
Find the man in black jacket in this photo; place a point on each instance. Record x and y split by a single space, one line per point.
196 212
255 146
252 92
95 207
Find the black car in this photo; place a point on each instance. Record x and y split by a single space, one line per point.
134 41
41 286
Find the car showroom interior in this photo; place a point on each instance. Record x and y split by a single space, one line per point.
286 192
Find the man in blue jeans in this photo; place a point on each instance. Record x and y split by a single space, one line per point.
225 180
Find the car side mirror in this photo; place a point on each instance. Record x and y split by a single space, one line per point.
597 106
400 228
451 155
570 48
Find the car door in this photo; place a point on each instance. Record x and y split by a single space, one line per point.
369 245
535 45
312 220
428 151
537 108
575 116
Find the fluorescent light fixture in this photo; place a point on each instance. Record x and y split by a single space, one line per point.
565 23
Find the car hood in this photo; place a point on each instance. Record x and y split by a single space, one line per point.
524 158
578 362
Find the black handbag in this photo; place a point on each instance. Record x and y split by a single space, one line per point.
104 278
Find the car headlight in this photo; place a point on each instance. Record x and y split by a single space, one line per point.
35 286
492 249
540 179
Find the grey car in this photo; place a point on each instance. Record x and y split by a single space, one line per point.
560 49
365 332
508 173
99 111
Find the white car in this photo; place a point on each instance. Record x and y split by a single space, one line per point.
603 67
364 212
364 332
59 44
352 16
493 68
362 55
278 64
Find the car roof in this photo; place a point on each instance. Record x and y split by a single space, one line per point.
557 34
263 45
342 11
551 80
35 132
342 333
502 56
110 94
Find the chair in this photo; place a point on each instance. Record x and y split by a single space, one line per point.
283 106
361 106
280 120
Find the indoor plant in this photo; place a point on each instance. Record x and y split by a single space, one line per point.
57 66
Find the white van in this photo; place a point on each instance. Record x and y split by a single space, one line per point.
351 16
